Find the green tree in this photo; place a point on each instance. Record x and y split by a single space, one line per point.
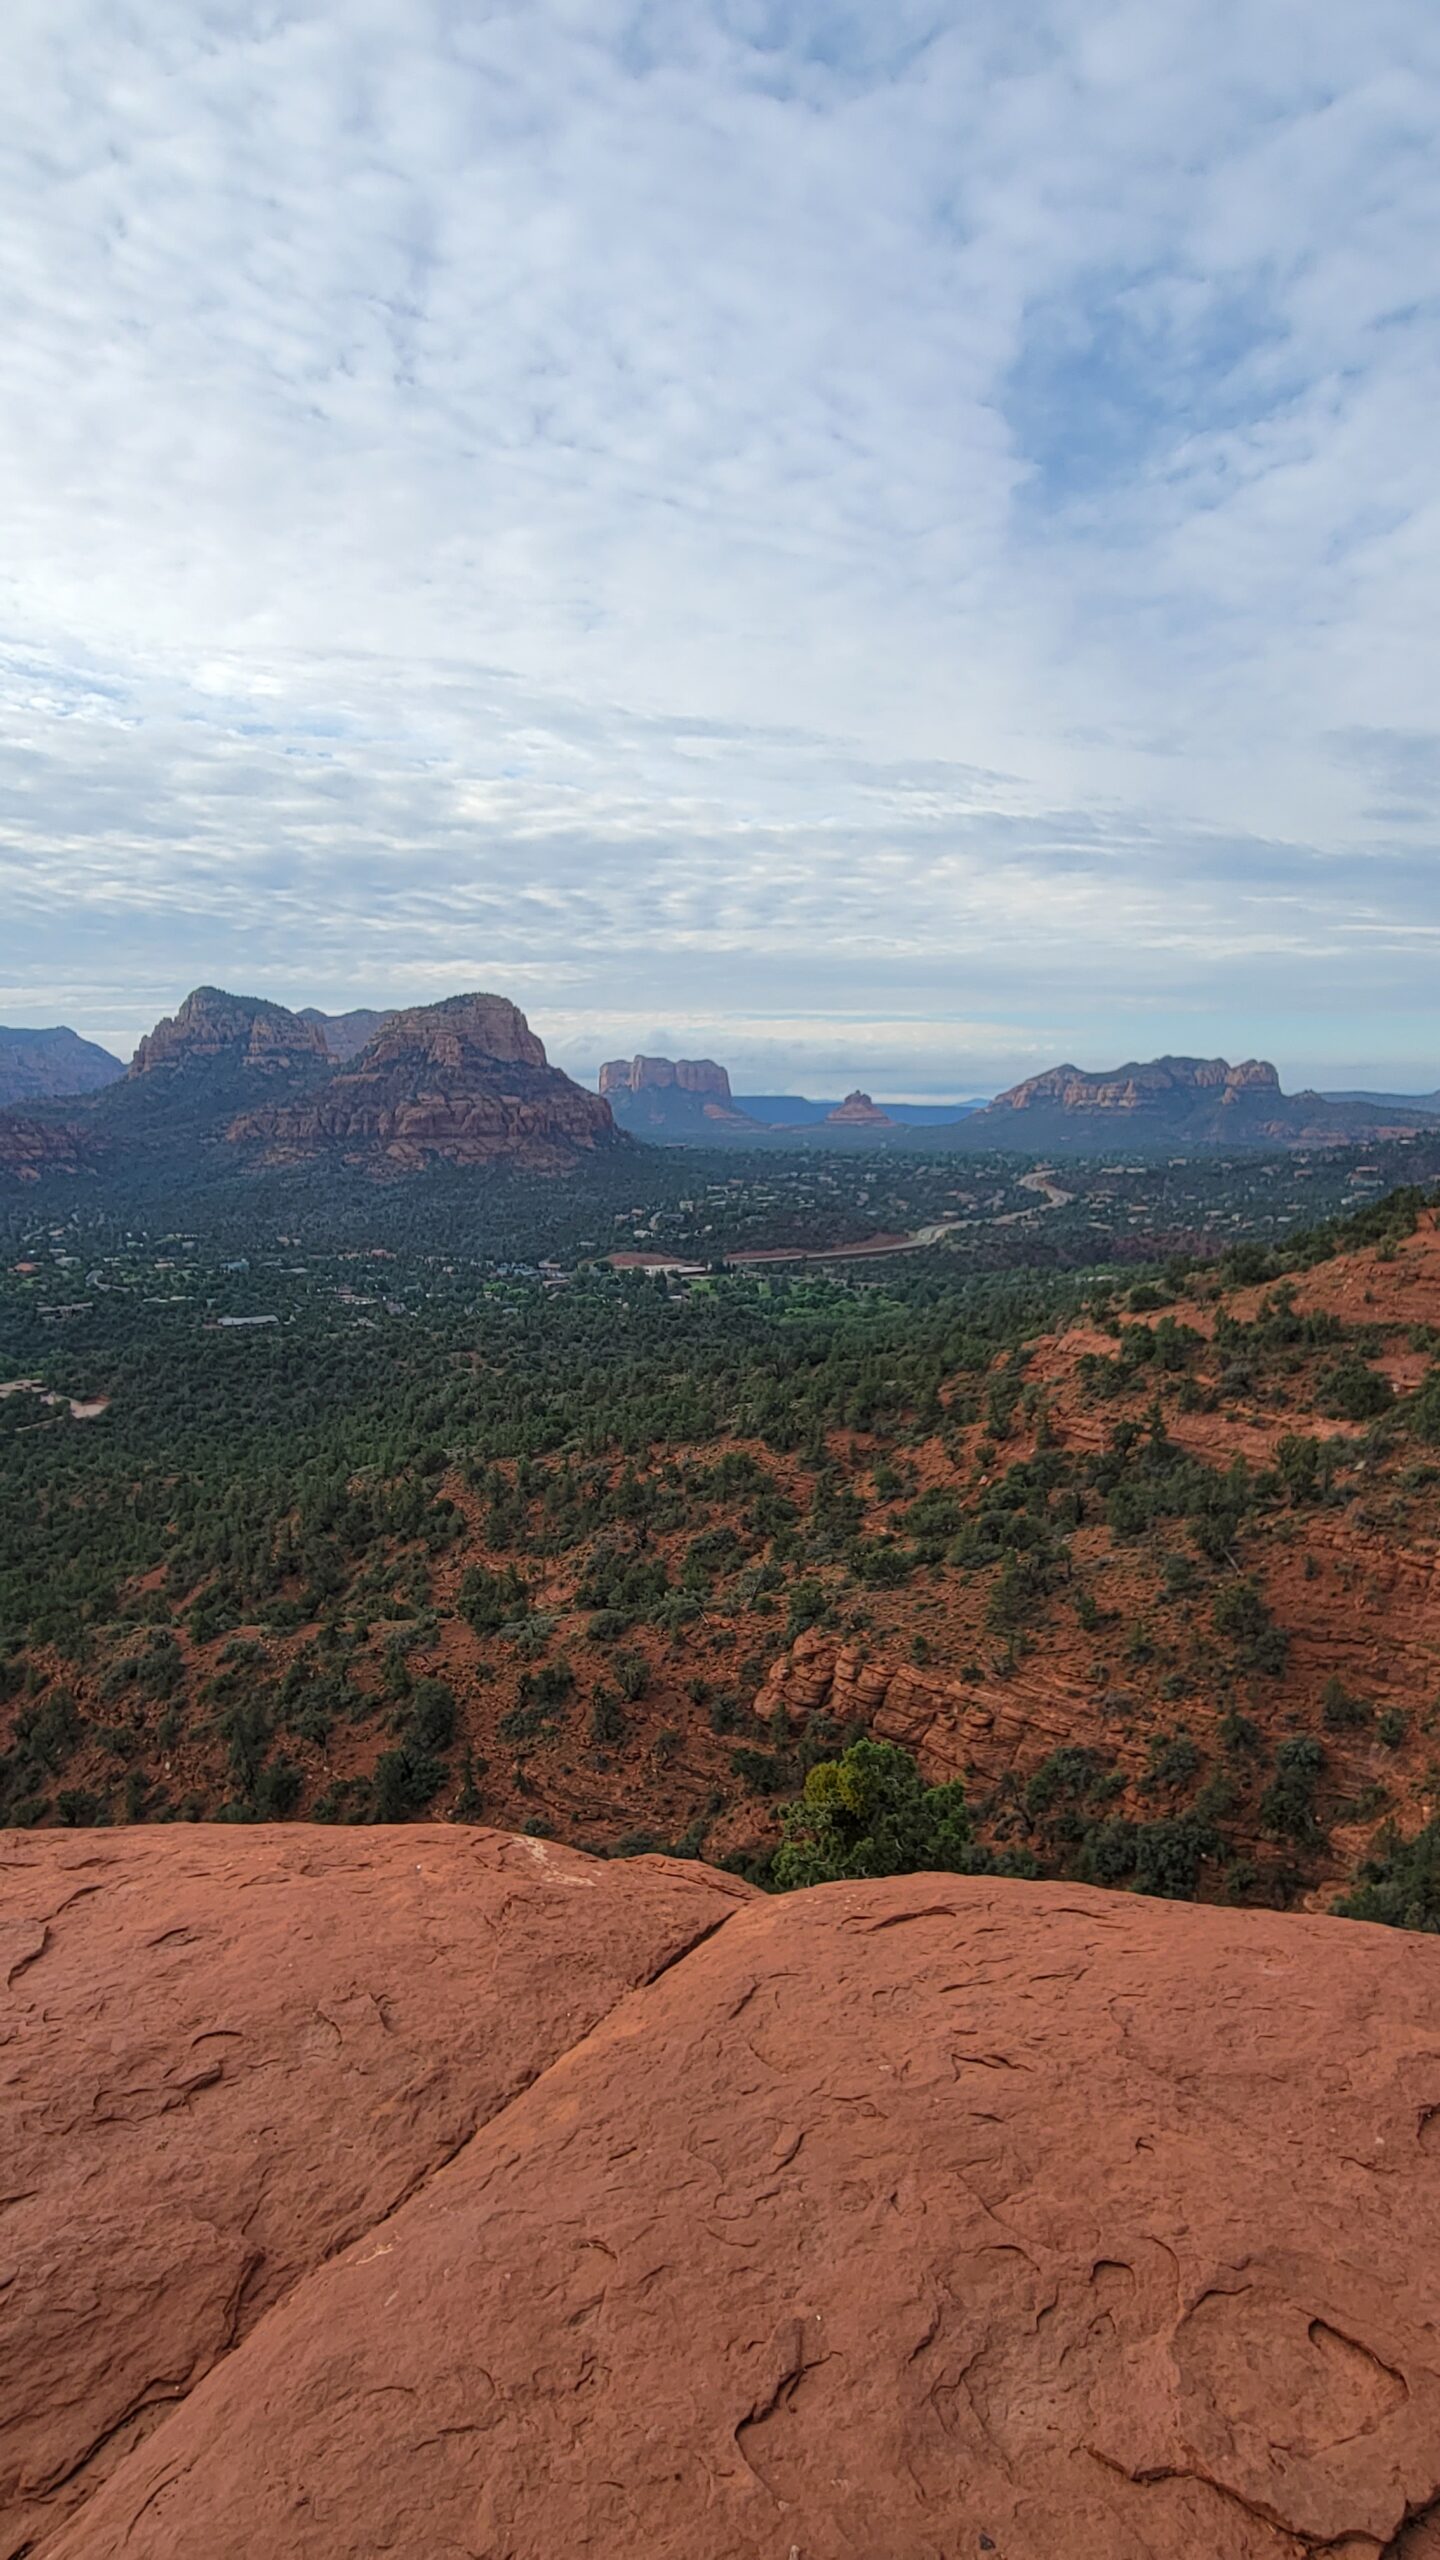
870 1813
1399 1882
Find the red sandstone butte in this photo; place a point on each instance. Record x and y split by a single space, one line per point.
464 1082
228 2054
901 2221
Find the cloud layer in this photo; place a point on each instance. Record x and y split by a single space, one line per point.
899 540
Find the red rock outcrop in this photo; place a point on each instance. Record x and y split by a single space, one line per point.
212 1024
30 1148
230 2053
857 1111
464 1082
1181 1101
666 1075
983 1731
1138 1087
924 2218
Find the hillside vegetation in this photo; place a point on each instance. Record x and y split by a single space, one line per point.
1150 1568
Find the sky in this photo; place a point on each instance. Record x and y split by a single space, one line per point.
886 544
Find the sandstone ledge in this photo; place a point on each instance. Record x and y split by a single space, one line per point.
886 2222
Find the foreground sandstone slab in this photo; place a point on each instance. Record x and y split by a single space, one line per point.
894 2222
227 2053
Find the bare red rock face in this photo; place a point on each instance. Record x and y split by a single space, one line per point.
891 2222
464 1082
665 1075
227 2054
212 1024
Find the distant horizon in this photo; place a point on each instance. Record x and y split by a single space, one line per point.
816 1077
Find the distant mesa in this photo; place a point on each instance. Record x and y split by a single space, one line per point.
1156 1086
41 1066
674 1098
1177 1102
857 1111
665 1075
679 1101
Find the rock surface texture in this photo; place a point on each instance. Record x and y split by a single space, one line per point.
230 2053
886 2222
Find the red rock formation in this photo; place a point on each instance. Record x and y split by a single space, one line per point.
30 1148
857 1111
665 1075
1182 1101
463 1082
1137 1087
982 1731
229 2054
211 1024
925 2218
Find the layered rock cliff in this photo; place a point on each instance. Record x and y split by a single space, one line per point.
465 1082
665 1075
432 2191
675 1098
245 1030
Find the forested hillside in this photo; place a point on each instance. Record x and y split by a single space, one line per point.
535 1552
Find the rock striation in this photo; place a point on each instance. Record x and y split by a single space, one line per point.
465 1082
924 2217
229 2055
243 1030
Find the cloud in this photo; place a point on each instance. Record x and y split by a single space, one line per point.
904 533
